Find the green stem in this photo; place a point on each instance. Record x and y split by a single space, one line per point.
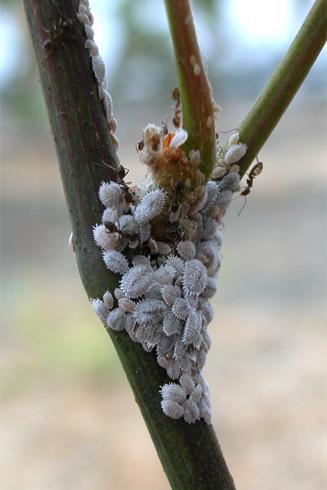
196 95
284 83
190 454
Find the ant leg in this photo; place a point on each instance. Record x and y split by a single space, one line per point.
244 204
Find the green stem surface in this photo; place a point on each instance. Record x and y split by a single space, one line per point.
269 107
190 454
196 95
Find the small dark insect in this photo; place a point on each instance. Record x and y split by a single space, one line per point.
122 172
178 109
139 146
128 194
254 172
110 227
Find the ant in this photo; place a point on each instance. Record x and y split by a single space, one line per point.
121 174
139 146
110 227
128 194
254 172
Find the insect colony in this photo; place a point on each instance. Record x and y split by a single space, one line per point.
163 238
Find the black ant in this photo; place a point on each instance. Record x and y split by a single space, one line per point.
128 194
121 174
139 146
254 172
110 227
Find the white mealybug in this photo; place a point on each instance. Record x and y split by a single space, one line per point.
180 349
180 308
218 172
205 410
196 394
110 215
164 275
115 261
135 282
141 260
171 324
173 392
191 411
233 139
169 294
108 300
192 328
206 309
150 206
111 195
187 383
209 250
89 31
99 308
186 249
192 301
176 263
229 182
126 305
222 202
149 310
179 138
235 153
173 369
194 277
128 225
212 190
104 239
99 68
116 319
173 409
211 288
163 248
107 101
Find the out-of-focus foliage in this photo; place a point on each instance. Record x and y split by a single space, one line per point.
144 68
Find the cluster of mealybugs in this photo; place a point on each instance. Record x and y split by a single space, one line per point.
165 285
162 301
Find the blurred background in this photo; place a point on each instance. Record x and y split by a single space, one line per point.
68 417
